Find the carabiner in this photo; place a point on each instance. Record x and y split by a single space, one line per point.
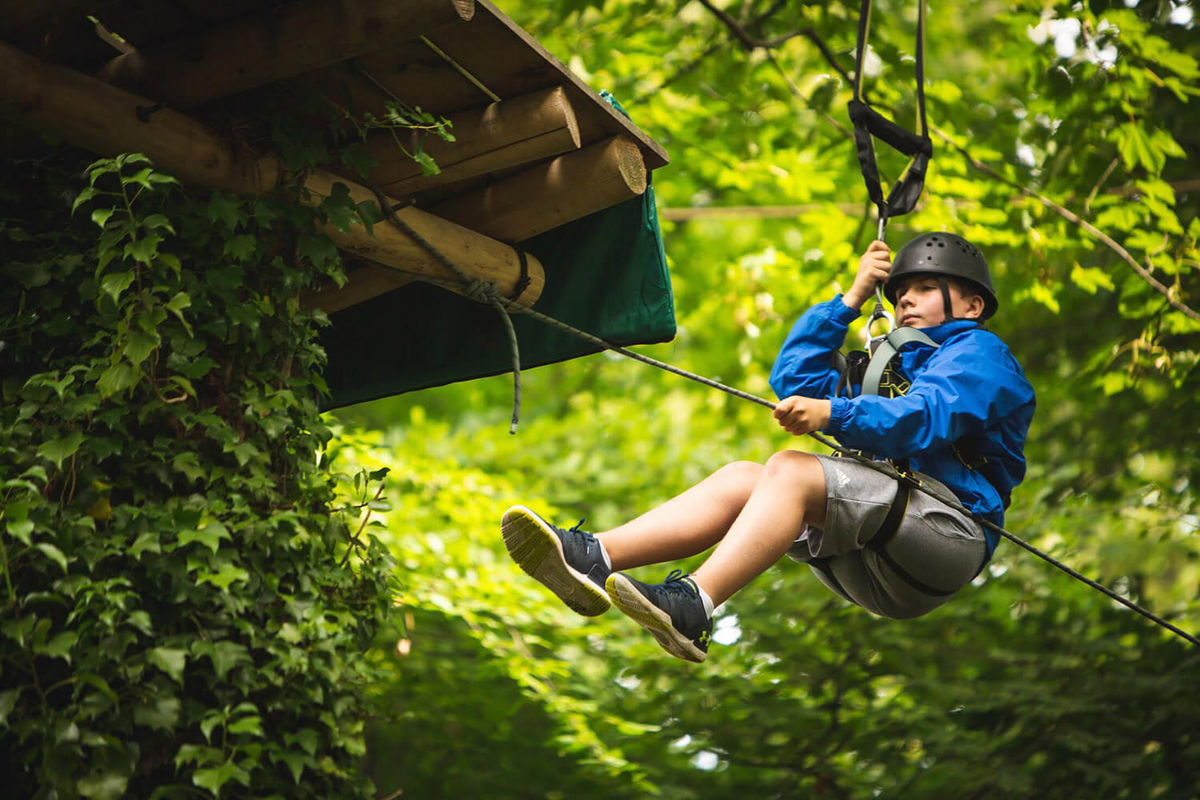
869 341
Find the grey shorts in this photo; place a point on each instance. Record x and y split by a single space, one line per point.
935 551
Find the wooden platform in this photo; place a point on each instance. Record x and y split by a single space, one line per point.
529 132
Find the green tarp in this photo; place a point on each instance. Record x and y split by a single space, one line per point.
605 274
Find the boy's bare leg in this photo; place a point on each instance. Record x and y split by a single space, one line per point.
789 494
687 524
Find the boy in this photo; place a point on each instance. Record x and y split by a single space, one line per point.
960 420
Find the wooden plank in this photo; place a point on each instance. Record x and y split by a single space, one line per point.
500 136
409 72
61 32
258 50
511 62
551 194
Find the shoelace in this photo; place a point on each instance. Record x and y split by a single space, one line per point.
678 582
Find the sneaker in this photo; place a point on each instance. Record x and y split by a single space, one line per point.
568 562
672 611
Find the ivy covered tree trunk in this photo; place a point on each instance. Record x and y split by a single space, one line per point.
183 612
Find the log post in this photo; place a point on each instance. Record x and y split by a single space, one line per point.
106 120
276 44
567 188
506 134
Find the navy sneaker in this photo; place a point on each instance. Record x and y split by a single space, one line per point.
672 611
568 562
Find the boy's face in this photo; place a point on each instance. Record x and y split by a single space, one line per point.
919 302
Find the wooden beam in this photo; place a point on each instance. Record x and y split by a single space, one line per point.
92 114
265 47
478 255
567 188
502 135
104 119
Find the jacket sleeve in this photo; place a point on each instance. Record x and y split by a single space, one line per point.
804 365
967 386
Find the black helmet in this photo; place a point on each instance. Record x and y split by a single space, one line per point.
944 254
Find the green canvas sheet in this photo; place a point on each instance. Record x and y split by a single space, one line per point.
605 274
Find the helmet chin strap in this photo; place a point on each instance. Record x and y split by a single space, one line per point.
944 285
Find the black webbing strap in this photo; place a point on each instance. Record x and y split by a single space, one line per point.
888 528
891 523
523 281
869 123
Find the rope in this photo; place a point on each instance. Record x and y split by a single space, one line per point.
486 292
480 291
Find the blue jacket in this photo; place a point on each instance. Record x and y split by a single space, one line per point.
969 390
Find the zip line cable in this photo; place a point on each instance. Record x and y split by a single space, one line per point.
485 292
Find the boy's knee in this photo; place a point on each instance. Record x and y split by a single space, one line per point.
741 474
797 468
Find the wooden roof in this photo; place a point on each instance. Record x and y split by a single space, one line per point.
213 60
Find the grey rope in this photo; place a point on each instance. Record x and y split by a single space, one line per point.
480 291
485 292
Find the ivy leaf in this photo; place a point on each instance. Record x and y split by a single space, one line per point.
58 450
170 660
189 464
295 762
87 194
140 346
143 250
224 208
161 712
8 701
223 578
115 379
53 553
251 724
210 536
427 164
240 247
21 530
60 646
147 542
102 785
101 216
213 778
114 283
225 655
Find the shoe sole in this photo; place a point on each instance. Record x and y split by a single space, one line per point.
538 552
633 604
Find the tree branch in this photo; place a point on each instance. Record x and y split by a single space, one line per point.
1072 217
751 43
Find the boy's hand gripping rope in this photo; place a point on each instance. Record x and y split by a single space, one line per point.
485 292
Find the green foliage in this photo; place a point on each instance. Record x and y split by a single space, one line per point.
1029 684
182 611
